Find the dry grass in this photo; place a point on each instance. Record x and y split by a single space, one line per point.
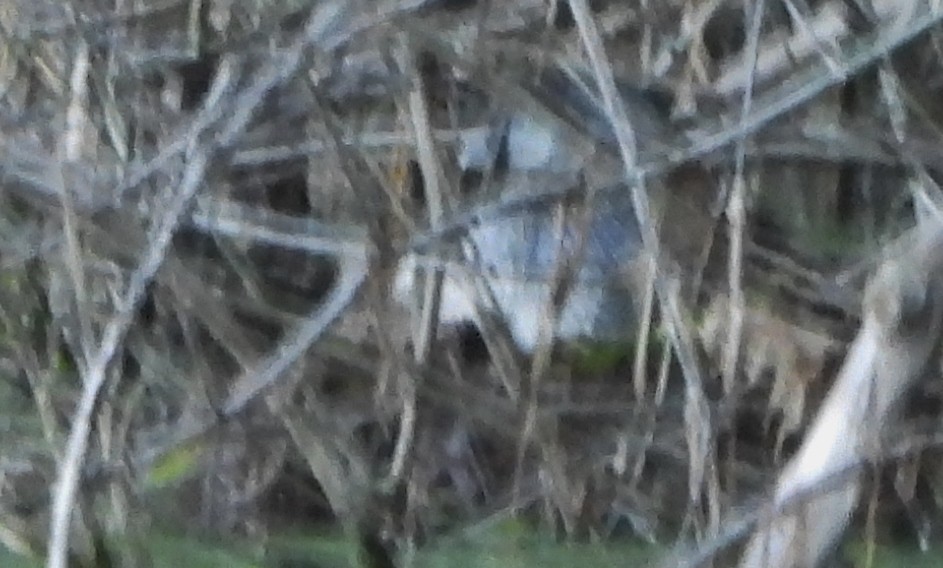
203 203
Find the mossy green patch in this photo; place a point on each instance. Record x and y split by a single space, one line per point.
175 466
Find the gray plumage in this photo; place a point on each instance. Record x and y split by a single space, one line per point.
516 255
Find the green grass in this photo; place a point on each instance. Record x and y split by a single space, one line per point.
507 546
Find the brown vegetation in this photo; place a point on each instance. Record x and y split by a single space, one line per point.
203 204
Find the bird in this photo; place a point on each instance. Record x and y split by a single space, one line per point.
515 255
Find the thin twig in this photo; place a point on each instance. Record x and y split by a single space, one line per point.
115 331
353 271
696 413
95 372
72 146
736 213
424 332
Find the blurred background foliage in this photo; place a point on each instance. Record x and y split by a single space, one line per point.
192 463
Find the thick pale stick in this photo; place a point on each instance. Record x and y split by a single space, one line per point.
902 315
